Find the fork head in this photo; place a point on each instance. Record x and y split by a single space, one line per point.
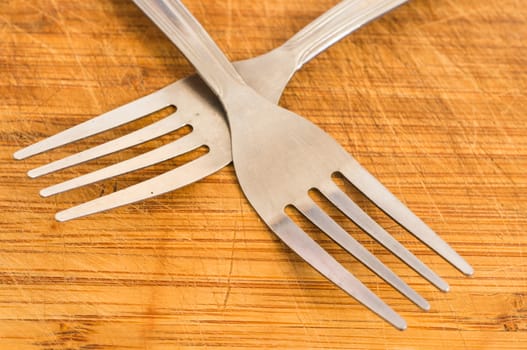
196 107
279 157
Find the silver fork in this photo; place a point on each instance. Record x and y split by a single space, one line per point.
328 29
279 156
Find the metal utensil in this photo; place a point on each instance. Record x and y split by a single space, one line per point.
201 111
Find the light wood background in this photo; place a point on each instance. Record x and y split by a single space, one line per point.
431 99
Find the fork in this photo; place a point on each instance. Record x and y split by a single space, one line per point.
190 89
279 156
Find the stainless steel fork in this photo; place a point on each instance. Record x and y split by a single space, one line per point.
201 110
279 156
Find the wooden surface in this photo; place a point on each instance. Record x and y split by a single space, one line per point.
431 99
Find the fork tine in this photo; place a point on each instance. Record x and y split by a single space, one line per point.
166 182
171 150
318 258
147 133
333 193
386 201
109 120
325 223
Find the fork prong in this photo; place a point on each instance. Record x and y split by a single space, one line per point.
171 150
109 120
325 223
387 202
333 193
147 133
318 258
166 182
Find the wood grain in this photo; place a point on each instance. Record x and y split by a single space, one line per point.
431 99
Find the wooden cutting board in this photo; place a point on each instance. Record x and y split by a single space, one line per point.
431 99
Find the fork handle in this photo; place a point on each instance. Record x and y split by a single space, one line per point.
334 25
180 26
